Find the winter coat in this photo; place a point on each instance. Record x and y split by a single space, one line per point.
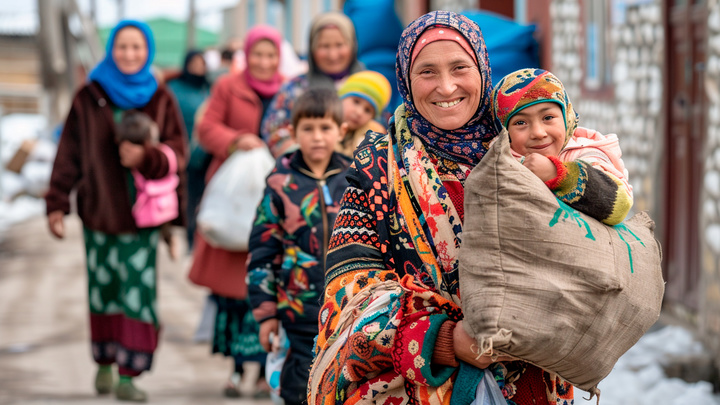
189 98
289 241
87 160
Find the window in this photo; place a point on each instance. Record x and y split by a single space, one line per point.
597 61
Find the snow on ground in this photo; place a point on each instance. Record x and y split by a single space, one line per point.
20 193
638 377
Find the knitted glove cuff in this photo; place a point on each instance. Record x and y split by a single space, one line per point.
561 173
444 352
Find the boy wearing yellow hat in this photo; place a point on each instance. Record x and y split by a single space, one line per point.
364 96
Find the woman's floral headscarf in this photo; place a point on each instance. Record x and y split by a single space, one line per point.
468 143
526 87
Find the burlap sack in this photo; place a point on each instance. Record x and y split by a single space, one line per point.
547 284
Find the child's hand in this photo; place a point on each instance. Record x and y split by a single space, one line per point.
270 325
131 155
543 167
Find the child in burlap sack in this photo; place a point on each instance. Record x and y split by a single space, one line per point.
581 166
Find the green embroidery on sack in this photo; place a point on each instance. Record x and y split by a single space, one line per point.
567 212
621 227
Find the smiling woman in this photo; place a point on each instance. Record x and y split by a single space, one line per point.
391 326
130 51
446 84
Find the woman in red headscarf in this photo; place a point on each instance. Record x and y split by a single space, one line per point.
232 122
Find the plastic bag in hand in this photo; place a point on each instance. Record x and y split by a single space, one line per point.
231 198
488 392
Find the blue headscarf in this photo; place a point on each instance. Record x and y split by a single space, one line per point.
468 143
126 91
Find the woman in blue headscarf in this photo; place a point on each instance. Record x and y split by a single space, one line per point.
391 324
121 257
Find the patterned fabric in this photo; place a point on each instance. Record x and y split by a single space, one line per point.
431 35
591 176
289 241
236 332
122 291
527 87
468 143
369 86
382 310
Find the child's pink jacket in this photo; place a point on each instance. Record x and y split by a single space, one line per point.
601 151
156 200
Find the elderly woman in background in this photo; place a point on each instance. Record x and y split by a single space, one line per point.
391 327
333 57
121 258
232 122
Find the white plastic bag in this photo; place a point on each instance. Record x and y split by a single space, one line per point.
488 391
231 197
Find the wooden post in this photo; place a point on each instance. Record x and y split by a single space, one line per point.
191 27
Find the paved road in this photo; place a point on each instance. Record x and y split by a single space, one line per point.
44 349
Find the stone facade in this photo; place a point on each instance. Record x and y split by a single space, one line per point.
634 112
633 109
709 317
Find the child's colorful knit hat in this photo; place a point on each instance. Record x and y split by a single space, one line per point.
368 85
526 87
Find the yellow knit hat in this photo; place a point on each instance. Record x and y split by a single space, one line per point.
368 85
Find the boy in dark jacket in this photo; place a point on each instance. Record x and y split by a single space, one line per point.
290 236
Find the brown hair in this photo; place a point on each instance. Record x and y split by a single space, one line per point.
136 127
318 103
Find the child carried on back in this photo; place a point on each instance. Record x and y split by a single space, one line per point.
581 166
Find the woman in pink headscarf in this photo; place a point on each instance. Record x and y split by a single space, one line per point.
232 122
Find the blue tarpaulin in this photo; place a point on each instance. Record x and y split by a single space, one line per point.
511 46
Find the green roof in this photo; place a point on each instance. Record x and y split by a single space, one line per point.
170 40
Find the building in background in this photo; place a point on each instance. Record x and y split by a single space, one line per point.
20 80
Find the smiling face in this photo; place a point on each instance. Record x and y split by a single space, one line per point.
130 50
357 112
332 53
445 84
263 60
539 128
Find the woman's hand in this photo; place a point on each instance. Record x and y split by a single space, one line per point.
270 325
131 155
466 349
543 167
248 142
56 224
